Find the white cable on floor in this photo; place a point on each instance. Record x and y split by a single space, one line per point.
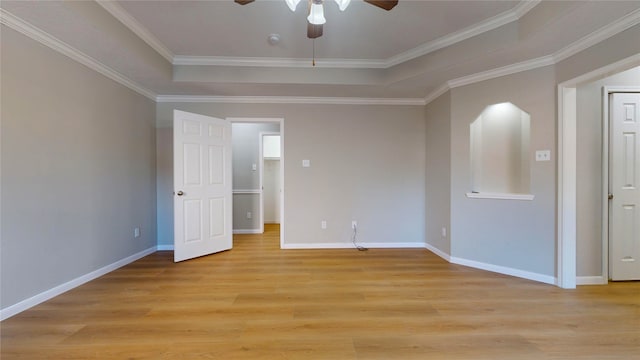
354 235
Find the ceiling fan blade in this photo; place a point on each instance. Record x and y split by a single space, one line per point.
244 2
314 31
383 4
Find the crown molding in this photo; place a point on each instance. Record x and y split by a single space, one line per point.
436 93
524 7
618 26
490 74
21 26
607 70
278 62
130 22
502 71
506 17
290 100
629 20
487 25
17 24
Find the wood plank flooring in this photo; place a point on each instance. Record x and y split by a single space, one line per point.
259 302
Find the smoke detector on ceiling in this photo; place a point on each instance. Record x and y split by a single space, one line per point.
274 39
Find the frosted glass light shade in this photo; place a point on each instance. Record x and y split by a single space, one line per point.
316 15
292 4
342 4
271 146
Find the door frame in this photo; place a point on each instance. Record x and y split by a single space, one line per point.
261 172
606 150
567 172
280 122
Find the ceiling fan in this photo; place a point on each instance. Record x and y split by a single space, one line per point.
316 11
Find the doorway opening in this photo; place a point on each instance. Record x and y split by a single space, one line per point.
270 154
567 171
258 177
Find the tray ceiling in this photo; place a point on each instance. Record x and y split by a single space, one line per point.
219 48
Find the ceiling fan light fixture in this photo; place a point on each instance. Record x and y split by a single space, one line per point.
342 4
292 4
316 14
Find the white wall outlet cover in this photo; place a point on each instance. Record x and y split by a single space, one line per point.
254 167
444 231
249 215
323 224
136 232
543 155
306 163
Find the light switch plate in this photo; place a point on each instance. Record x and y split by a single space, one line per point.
254 167
306 163
543 155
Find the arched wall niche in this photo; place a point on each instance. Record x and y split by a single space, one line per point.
499 145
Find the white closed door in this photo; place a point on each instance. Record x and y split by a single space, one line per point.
202 185
624 237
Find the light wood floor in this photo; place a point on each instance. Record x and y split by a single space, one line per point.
259 302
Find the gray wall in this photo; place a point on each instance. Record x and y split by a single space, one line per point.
438 175
271 191
246 152
589 170
510 233
164 184
367 164
78 170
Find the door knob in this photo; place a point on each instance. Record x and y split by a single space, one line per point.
610 196
180 193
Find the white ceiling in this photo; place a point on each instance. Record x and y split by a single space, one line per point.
362 31
220 48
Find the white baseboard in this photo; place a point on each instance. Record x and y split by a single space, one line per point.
164 248
547 279
591 280
247 231
408 245
53 292
438 252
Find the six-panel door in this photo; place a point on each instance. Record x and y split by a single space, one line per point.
202 183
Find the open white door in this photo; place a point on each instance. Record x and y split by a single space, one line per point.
202 185
624 238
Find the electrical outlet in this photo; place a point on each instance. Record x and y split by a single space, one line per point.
323 224
136 232
249 215
354 224
444 231
543 155
254 167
